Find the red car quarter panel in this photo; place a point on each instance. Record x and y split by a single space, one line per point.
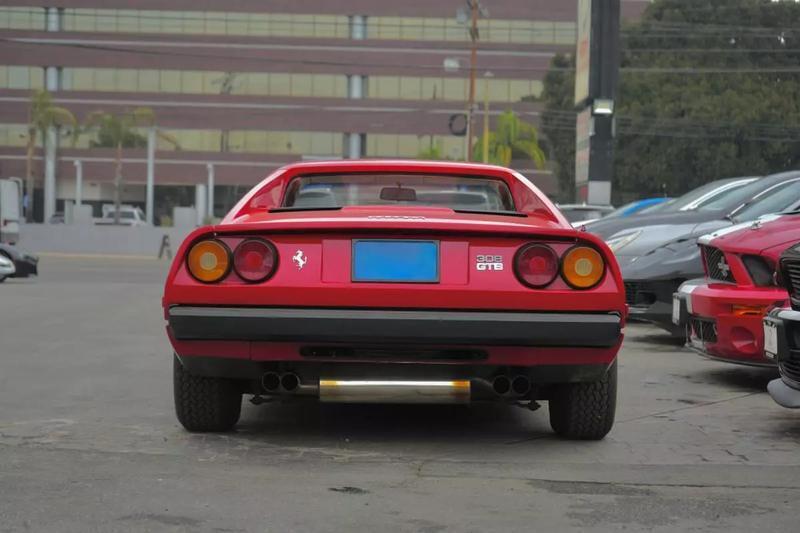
398 273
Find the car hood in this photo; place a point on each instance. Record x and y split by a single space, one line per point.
666 253
605 228
756 237
651 238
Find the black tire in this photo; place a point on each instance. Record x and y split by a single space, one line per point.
2 279
205 404
585 411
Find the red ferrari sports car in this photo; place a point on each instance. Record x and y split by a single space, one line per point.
724 314
395 281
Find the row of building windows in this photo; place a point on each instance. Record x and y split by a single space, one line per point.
299 143
267 84
289 25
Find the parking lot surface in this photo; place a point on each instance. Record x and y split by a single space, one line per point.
89 441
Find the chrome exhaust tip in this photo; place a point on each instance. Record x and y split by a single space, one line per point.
271 381
290 382
393 391
521 385
501 385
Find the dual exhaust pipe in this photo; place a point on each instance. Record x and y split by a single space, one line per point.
393 391
519 385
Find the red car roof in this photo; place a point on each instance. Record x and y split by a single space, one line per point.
270 191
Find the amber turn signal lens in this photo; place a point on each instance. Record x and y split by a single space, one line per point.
209 261
582 267
749 310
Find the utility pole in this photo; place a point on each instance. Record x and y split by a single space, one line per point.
476 10
486 116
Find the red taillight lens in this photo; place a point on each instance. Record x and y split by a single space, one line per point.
536 265
255 260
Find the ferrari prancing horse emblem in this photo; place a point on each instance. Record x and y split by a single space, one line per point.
300 259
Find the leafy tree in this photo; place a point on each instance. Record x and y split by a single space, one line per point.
433 152
42 116
512 138
708 89
558 122
120 131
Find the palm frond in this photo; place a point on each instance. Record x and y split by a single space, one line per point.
168 137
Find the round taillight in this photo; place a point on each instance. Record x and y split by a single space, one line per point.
255 260
582 267
209 261
536 265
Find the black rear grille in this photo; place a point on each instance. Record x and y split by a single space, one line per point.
790 271
790 366
639 293
717 266
703 329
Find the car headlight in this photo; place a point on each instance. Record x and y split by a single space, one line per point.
617 243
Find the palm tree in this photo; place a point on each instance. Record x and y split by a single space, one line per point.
512 138
120 131
43 116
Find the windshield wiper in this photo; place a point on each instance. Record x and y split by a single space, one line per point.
292 208
501 213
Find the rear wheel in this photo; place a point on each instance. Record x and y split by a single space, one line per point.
585 410
205 403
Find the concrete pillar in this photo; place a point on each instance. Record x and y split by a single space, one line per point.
354 141
50 147
78 182
200 196
53 23
358 27
353 145
210 170
150 188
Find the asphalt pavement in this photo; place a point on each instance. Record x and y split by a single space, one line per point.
89 441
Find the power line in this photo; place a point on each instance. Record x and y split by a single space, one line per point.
436 67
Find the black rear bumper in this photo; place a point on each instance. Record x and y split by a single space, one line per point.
382 327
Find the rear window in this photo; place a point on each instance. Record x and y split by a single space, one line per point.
454 192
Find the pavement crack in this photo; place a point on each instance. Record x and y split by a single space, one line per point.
687 407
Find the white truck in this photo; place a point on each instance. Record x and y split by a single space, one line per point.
9 210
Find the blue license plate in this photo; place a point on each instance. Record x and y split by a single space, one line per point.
395 261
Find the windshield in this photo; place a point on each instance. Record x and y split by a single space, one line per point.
733 199
779 198
716 190
457 193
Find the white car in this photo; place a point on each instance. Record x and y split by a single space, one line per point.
7 268
128 216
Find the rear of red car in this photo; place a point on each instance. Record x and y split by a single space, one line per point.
726 312
398 302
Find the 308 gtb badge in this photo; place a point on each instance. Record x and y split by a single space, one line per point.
489 262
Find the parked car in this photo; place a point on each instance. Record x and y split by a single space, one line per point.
724 315
579 214
25 263
658 257
782 334
637 207
685 207
364 295
7 268
57 218
128 216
